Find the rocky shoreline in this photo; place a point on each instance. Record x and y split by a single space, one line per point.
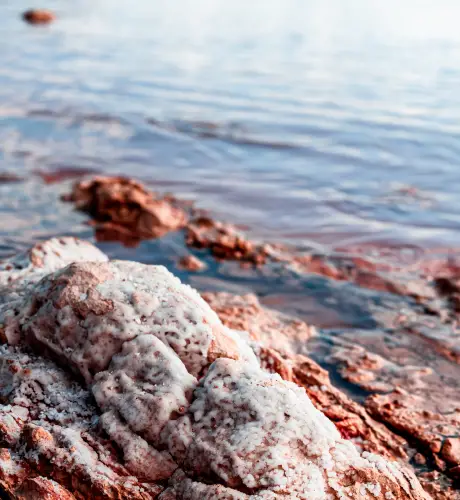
87 342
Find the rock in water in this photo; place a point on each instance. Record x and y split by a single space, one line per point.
38 16
123 209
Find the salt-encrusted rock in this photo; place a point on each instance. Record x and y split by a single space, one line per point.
48 427
147 384
27 268
185 488
182 396
253 432
86 312
141 459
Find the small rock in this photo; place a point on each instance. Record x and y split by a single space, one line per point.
451 450
191 263
38 16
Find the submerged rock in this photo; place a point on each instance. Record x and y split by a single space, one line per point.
191 263
183 407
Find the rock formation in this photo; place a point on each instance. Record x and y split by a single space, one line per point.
120 382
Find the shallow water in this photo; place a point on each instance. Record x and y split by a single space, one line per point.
301 119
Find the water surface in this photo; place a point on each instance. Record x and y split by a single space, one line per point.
304 120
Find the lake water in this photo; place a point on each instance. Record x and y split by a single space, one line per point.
305 120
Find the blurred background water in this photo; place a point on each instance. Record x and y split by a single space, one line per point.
306 120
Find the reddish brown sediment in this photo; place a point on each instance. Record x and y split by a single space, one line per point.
38 16
124 206
182 406
61 174
191 263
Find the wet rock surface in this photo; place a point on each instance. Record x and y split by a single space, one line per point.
124 210
224 241
191 263
154 375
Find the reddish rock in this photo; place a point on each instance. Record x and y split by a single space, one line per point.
191 263
224 242
450 451
419 402
438 486
124 209
43 488
410 414
374 373
245 313
38 16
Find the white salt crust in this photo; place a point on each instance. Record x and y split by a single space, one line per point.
43 258
141 340
85 312
255 431
146 383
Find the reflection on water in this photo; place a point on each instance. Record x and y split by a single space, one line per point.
303 119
